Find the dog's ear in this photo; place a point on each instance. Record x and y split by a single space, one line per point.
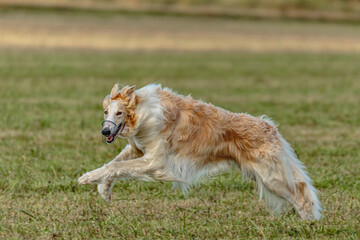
127 93
115 92
106 101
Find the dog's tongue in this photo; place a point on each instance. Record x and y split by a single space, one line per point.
109 138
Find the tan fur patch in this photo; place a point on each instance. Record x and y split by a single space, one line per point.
198 129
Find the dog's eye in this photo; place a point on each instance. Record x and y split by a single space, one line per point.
118 113
106 112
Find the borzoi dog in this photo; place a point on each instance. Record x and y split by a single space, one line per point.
176 138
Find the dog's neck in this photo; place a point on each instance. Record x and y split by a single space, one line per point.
149 115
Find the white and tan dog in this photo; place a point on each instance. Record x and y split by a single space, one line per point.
175 138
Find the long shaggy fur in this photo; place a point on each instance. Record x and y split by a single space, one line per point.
176 138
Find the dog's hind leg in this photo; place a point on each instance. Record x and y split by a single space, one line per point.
129 152
282 176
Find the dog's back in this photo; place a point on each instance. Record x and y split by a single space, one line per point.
211 138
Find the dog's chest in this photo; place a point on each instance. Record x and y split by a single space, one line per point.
137 143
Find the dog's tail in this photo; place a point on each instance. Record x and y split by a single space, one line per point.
282 179
306 201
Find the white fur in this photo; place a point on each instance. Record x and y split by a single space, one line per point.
188 173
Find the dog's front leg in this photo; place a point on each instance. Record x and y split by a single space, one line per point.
129 152
140 168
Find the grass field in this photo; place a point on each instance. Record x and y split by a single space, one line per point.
51 118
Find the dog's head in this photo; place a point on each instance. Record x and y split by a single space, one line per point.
119 112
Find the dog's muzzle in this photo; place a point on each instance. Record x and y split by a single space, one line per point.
108 135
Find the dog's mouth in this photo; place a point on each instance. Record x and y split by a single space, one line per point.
112 137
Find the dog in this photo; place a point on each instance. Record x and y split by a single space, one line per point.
176 138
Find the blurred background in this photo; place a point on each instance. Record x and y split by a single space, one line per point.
181 25
296 61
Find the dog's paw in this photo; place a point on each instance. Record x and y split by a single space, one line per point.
96 176
83 179
104 189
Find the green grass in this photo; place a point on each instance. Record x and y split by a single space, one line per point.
50 134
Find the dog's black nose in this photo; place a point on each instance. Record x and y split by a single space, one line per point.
106 132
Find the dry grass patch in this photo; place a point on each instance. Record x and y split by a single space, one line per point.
28 29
